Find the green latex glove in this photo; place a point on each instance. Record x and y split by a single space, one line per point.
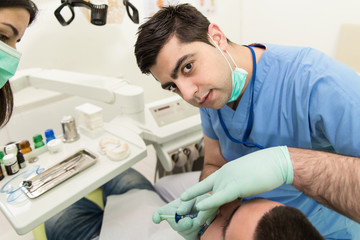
186 227
252 174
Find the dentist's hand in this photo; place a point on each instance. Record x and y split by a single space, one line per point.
252 174
186 227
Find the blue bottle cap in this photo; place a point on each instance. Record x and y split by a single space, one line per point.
49 134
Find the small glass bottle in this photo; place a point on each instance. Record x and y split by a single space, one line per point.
11 164
25 147
1 163
49 135
20 157
38 141
1 157
2 168
1 174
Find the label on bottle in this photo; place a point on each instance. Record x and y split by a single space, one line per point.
12 169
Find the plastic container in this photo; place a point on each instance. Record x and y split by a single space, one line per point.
11 164
90 116
11 148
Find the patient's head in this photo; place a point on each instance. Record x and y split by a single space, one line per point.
260 219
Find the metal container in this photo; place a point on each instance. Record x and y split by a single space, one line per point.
50 178
70 133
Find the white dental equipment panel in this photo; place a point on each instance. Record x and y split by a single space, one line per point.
172 126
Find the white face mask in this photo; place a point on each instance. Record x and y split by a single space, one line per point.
238 76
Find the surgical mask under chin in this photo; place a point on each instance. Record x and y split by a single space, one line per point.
238 76
9 61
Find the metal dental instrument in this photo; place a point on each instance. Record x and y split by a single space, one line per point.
32 186
58 173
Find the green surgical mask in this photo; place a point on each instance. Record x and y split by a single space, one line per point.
238 76
9 61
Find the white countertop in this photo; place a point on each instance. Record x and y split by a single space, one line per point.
25 214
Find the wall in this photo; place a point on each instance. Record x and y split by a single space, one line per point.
306 22
83 47
108 50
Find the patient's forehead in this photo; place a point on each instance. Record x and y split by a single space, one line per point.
245 219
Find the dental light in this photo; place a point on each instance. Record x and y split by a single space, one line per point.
98 12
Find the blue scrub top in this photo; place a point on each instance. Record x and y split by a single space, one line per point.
301 98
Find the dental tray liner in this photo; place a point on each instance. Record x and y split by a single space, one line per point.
57 174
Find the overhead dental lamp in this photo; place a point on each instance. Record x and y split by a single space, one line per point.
98 12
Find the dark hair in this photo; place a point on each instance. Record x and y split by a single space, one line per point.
283 223
6 94
7 103
183 20
27 4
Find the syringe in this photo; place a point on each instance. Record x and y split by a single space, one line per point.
177 217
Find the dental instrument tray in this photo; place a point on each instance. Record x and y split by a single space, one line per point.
57 174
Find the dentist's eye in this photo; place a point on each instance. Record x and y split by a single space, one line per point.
172 87
188 68
3 38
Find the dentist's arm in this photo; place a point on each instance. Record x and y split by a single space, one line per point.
331 179
255 173
213 158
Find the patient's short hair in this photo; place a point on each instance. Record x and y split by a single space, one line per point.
283 223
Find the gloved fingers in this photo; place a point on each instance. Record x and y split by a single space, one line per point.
186 207
156 217
200 188
168 209
206 216
184 224
217 199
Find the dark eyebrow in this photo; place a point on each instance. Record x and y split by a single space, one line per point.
166 85
174 73
227 223
15 31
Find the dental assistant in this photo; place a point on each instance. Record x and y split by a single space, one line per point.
302 106
15 17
